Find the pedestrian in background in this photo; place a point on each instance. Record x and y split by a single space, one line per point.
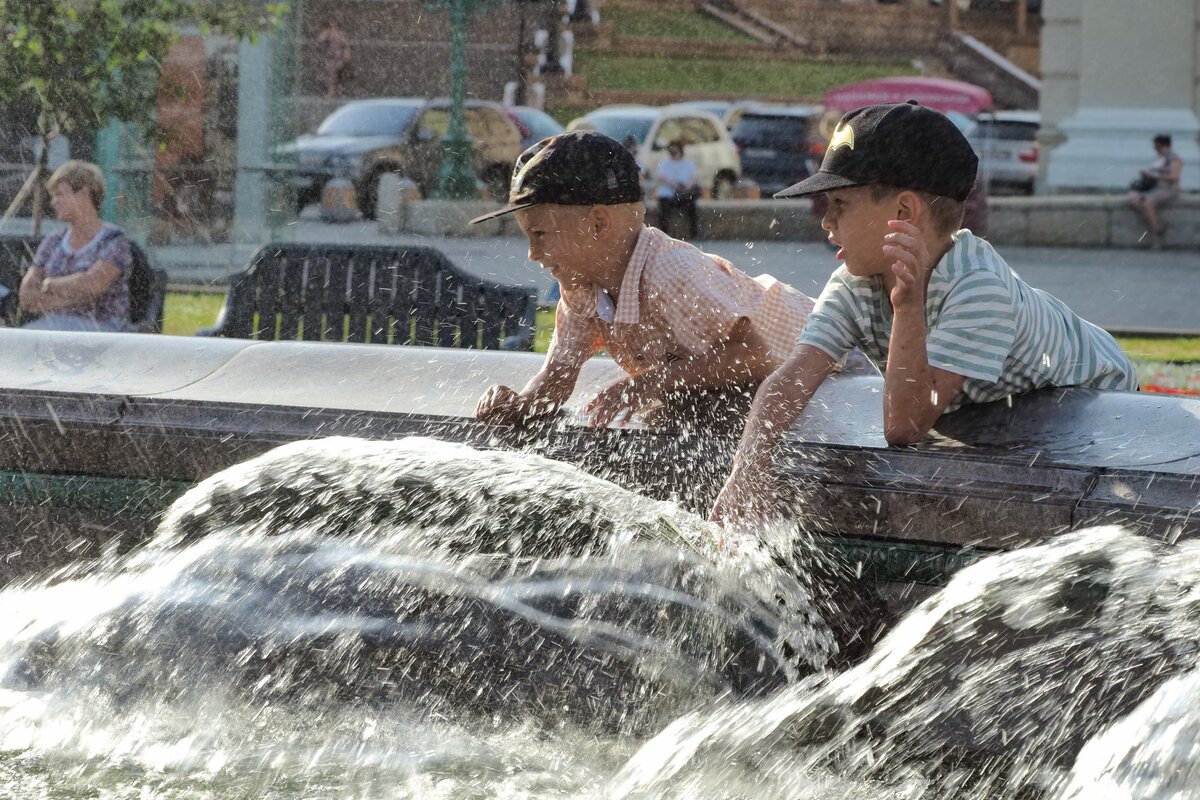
678 187
335 55
1156 187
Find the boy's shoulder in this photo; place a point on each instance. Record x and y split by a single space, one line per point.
662 257
971 272
971 255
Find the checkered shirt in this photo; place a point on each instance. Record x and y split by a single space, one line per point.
675 302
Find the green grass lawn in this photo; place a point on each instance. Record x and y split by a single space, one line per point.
1178 349
186 313
671 24
739 77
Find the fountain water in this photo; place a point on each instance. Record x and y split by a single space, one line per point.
416 581
312 624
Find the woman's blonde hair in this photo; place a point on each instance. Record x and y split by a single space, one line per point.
80 175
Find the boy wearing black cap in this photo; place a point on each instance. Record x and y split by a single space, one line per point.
934 307
671 316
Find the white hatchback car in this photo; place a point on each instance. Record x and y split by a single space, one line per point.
1006 142
705 139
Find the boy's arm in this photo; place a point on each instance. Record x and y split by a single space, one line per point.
41 295
544 394
914 393
779 402
554 382
742 357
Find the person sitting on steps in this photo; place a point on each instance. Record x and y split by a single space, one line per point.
1157 186
678 183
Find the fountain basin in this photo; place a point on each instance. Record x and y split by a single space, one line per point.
102 431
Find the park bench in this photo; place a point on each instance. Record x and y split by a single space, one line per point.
147 285
372 294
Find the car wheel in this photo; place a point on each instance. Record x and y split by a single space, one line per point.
723 186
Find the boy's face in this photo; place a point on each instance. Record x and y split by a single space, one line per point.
562 241
857 224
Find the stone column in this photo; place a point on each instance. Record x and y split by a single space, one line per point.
1114 74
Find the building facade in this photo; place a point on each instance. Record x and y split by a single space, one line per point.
1115 73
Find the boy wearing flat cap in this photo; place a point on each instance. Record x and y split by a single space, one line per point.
934 307
672 317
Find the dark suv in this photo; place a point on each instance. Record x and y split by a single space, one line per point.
366 138
779 145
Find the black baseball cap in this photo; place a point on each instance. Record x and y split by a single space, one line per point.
901 144
580 168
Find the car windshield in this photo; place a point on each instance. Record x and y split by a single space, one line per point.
621 128
540 124
368 119
755 129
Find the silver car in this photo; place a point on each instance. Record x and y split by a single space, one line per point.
1006 142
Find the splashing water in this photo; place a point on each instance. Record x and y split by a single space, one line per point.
418 619
394 613
989 689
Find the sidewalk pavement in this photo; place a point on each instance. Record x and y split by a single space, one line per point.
1118 289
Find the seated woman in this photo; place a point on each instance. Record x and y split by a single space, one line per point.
79 280
1156 187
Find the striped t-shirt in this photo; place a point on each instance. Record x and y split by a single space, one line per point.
982 322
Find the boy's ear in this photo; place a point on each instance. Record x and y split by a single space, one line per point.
600 220
909 206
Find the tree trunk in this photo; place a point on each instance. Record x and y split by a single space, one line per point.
39 184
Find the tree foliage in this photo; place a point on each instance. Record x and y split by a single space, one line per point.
80 63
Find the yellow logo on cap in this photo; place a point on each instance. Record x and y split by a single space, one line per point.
843 136
518 180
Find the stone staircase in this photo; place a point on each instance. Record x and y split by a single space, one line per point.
984 48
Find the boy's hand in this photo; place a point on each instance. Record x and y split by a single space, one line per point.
617 402
912 265
502 404
743 501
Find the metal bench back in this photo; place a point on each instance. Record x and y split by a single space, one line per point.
371 295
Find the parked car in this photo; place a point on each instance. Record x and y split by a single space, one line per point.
534 124
705 140
364 139
779 145
1006 142
728 111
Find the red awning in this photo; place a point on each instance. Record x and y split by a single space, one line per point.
942 94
